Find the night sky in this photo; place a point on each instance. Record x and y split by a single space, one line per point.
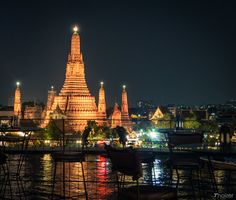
180 52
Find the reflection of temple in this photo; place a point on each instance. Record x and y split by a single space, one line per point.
74 102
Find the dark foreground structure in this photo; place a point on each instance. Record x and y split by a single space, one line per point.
186 168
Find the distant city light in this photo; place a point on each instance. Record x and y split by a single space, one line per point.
52 87
21 134
17 83
78 141
153 134
47 141
101 83
124 86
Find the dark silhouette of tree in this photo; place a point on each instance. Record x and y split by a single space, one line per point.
85 136
93 125
143 124
99 132
209 126
122 133
191 122
52 131
166 121
106 131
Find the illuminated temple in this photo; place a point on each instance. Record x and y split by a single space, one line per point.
74 102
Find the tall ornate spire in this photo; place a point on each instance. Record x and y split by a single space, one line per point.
75 75
125 120
17 101
124 106
75 44
51 96
102 115
74 99
102 100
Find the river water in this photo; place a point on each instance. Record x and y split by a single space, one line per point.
36 178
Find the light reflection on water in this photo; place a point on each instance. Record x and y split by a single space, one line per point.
38 168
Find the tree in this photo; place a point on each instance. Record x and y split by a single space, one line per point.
210 127
191 122
85 136
106 131
52 131
165 122
145 138
93 125
114 133
99 132
122 133
96 131
145 125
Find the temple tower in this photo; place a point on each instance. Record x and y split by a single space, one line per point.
116 117
75 83
124 105
51 96
46 112
74 99
17 101
102 105
125 120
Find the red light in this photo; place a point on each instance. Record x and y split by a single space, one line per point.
101 142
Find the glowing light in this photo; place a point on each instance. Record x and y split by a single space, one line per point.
47 141
101 142
17 83
101 83
52 87
153 134
75 29
124 86
78 141
21 134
